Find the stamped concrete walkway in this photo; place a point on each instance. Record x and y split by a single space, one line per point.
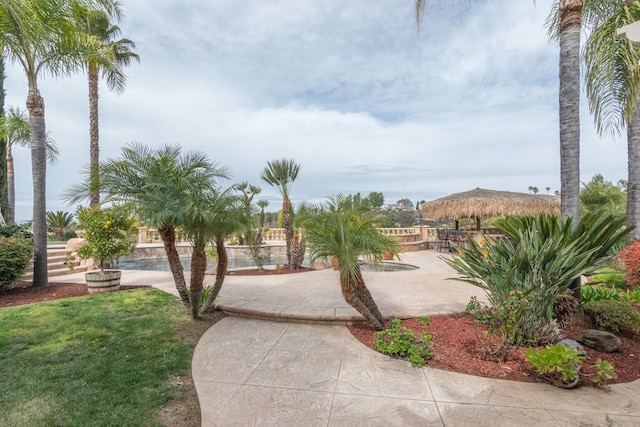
259 372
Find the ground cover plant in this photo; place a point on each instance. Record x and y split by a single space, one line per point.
119 358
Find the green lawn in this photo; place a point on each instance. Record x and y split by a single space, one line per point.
102 360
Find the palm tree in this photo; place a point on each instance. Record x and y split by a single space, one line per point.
169 190
59 222
4 197
96 23
613 86
338 230
280 174
40 36
248 193
14 129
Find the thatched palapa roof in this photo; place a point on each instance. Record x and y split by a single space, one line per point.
481 203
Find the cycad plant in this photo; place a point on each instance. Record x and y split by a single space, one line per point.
539 258
336 230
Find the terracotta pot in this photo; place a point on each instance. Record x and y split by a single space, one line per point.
388 256
335 263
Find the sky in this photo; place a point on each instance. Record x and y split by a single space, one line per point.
351 91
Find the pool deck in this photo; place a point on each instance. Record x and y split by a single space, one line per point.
294 363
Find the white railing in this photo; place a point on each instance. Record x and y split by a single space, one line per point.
151 235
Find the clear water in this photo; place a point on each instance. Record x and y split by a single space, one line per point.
161 264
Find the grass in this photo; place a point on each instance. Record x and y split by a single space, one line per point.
102 360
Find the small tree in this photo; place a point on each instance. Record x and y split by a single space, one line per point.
108 234
335 230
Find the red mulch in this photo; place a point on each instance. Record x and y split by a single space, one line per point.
456 348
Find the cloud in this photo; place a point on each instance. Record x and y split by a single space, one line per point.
351 90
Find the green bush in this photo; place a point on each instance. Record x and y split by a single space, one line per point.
556 363
590 293
608 278
539 258
401 341
614 315
15 254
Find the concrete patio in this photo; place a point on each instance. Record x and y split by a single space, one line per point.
291 362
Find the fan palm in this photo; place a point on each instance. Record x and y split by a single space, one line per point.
337 230
96 23
41 37
14 129
281 174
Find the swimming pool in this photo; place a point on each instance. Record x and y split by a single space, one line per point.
161 264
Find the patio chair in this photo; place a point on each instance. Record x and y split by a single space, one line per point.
443 240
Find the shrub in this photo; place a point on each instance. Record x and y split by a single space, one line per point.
541 257
556 363
401 341
609 278
15 230
614 315
630 258
15 254
590 293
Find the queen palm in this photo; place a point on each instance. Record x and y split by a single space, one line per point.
281 174
613 87
96 23
338 230
14 129
41 37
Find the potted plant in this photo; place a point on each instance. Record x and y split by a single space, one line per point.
108 236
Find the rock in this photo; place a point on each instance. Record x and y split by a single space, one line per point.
600 340
574 345
75 244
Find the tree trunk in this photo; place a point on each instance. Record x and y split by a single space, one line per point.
198 268
168 235
94 147
11 188
569 108
288 227
633 165
221 272
37 131
357 295
4 173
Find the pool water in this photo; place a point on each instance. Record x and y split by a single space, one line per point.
161 264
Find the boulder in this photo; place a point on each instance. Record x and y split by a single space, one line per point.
74 244
600 340
574 345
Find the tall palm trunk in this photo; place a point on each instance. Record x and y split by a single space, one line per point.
570 23
37 132
168 235
4 178
633 165
94 146
221 271
11 188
